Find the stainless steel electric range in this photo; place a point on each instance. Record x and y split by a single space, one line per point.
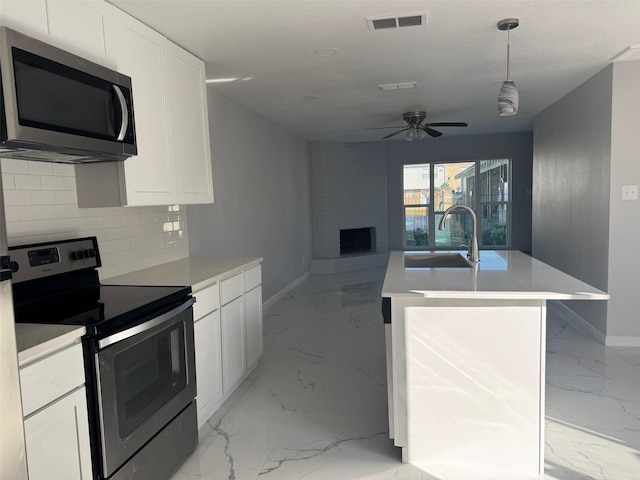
139 355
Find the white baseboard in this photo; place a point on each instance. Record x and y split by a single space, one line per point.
613 341
581 324
577 322
285 290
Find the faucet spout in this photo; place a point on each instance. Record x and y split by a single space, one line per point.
473 248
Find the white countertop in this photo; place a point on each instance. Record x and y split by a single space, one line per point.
35 341
500 274
198 272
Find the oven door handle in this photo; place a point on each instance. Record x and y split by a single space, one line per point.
143 327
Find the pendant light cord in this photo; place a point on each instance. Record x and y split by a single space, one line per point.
508 30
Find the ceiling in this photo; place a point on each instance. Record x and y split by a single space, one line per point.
458 59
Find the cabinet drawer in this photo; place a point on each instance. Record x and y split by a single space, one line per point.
43 381
252 278
207 300
231 288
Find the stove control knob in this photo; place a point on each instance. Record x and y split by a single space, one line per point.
77 255
89 253
13 266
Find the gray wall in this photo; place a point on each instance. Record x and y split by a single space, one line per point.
517 146
585 149
623 318
262 195
572 157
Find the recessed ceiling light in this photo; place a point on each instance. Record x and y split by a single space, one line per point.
221 80
632 52
326 52
228 79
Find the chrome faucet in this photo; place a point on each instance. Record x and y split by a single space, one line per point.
473 249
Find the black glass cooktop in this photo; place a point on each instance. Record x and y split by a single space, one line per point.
102 309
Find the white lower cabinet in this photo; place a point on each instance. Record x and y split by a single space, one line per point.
208 342
206 332
56 424
253 325
233 356
228 337
57 440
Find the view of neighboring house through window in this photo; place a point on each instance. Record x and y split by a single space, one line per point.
429 189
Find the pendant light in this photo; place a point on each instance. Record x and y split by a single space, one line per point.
508 98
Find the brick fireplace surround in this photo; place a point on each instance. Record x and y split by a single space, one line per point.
348 191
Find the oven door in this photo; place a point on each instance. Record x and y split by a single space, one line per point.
145 376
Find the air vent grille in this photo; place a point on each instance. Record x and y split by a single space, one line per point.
397 21
397 86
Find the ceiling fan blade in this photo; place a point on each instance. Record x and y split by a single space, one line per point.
447 124
431 131
380 128
395 133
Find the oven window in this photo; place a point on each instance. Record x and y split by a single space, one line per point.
147 375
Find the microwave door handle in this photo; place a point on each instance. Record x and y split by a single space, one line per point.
143 327
124 123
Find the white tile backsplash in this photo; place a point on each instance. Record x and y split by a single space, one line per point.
41 205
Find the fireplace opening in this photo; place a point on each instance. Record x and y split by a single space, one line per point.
357 240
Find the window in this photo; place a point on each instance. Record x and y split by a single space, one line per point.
481 185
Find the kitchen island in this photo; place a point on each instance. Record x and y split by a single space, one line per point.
466 361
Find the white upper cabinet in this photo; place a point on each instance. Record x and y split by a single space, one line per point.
29 18
173 164
79 26
188 122
149 178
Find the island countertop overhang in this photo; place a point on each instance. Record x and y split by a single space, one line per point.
500 274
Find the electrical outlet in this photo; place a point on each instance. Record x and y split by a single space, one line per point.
630 192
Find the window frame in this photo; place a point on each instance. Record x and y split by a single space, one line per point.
478 204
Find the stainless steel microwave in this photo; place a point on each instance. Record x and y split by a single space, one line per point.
59 107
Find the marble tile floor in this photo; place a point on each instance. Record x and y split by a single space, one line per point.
315 407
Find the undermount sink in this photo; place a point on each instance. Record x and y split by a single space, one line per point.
435 260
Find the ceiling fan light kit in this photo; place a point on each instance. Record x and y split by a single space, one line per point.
410 135
415 128
508 98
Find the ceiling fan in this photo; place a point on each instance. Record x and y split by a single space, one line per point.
415 127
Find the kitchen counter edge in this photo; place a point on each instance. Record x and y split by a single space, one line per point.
197 272
500 275
36 341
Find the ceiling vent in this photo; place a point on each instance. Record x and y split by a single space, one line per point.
397 21
397 86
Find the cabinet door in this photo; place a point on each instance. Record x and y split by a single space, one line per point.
57 440
29 18
79 26
189 125
233 353
206 332
253 325
149 176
